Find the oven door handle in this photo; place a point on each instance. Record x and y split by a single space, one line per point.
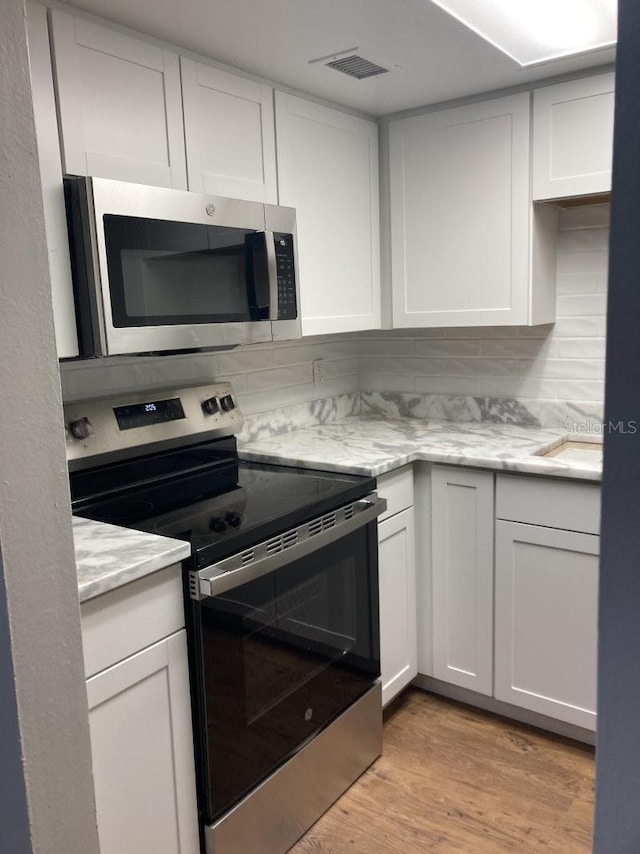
285 548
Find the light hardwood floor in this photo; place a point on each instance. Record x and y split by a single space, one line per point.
453 778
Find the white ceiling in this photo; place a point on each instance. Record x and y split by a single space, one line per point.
438 58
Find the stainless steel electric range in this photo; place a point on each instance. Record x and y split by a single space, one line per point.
281 598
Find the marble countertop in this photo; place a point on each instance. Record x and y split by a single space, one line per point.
108 556
374 445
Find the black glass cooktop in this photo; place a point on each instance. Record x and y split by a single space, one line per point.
221 507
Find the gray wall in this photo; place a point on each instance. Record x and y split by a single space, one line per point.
14 831
617 826
46 787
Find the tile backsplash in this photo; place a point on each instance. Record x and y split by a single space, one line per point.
559 362
265 377
553 372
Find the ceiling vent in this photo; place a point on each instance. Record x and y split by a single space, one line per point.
357 66
352 63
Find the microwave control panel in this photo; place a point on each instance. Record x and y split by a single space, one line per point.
287 307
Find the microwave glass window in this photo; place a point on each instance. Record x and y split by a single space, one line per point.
168 273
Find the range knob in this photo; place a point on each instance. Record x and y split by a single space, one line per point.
81 429
233 518
227 403
210 406
217 524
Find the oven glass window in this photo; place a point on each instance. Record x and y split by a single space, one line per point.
284 655
168 273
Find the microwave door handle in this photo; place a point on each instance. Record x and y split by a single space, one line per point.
272 274
263 279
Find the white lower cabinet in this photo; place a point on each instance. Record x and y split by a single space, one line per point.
396 561
546 621
397 583
140 721
520 627
462 566
140 718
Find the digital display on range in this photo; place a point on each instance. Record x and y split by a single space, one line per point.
143 414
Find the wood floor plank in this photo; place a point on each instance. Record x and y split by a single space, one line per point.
456 779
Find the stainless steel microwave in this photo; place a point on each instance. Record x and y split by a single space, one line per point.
160 270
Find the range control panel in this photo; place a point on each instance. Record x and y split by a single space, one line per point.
285 265
96 428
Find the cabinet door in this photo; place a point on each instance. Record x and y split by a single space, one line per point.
546 621
462 566
397 574
229 134
328 171
55 217
142 747
573 138
459 185
119 102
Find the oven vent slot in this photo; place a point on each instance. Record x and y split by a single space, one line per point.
329 521
290 539
348 512
247 557
324 523
273 547
315 528
279 544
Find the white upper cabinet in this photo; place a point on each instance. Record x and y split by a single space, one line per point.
573 138
461 221
119 101
229 134
55 219
328 171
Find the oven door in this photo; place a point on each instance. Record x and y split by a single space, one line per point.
280 656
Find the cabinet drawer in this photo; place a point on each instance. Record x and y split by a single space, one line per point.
397 487
549 502
130 618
